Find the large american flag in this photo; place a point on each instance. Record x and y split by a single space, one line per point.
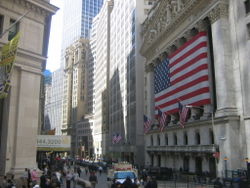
183 76
147 124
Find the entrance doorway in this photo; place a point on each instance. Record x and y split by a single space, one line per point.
198 165
212 166
186 164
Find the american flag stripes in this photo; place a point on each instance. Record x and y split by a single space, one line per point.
183 76
162 118
147 124
116 138
183 113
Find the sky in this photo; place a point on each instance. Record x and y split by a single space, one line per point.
54 51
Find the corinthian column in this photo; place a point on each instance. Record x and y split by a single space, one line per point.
223 63
150 90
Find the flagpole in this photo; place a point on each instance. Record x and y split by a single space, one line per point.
8 29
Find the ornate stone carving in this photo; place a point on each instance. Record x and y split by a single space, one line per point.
220 11
169 14
149 68
202 25
35 7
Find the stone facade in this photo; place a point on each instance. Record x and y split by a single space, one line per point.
20 117
222 126
75 90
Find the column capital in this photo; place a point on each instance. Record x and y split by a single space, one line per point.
220 11
202 25
149 67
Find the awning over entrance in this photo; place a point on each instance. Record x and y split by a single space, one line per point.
53 143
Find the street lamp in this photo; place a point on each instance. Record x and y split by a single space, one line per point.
225 161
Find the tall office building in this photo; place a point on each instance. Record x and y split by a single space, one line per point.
77 20
126 139
115 37
100 46
53 102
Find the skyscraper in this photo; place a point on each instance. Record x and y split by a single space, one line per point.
77 20
118 81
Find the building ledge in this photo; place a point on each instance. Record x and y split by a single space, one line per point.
184 148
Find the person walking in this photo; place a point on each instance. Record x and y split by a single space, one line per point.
217 183
75 178
43 181
79 171
68 179
100 170
34 177
127 183
86 171
93 179
151 182
4 182
29 178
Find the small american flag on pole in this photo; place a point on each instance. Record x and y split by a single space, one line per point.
162 118
147 124
183 76
183 113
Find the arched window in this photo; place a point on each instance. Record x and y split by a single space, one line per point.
197 138
152 140
211 136
185 138
158 140
166 139
175 139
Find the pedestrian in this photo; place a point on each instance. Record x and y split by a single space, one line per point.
4 182
68 179
29 180
86 171
45 170
54 181
75 178
154 182
43 181
93 179
149 183
48 183
127 183
217 183
100 170
34 177
79 171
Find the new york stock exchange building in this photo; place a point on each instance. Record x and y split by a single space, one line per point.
197 57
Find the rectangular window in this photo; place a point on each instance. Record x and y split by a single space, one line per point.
247 6
248 30
13 30
1 23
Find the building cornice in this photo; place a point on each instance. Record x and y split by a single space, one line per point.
171 15
39 6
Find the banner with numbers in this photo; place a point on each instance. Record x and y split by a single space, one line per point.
8 55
